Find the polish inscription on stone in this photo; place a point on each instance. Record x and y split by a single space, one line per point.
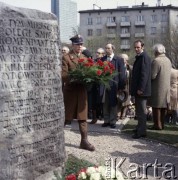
31 101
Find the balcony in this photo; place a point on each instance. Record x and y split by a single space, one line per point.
139 35
125 35
125 24
139 23
111 24
111 35
125 46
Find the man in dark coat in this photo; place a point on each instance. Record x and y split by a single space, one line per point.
110 95
141 87
97 105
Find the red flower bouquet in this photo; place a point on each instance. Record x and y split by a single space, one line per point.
88 72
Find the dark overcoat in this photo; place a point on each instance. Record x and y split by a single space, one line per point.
141 75
119 81
75 94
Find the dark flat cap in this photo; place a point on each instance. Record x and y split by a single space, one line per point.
77 39
87 53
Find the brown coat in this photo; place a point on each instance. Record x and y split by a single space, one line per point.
75 95
174 90
160 84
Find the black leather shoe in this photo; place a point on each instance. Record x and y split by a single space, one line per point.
154 128
137 136
134 131
105 124
112 126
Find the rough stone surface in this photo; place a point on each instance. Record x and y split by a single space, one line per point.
31 101
110 143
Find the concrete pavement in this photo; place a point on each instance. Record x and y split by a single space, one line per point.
133 156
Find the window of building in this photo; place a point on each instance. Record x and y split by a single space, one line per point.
98 20
111 19
111 30
154 18
90 32
99 32
140 18
90 21
164 18
153 30
124 30
125 19
140 30
125 42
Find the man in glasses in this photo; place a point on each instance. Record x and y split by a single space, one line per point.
99 53
97 106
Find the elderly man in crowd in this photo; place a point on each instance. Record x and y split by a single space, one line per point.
173 106
75 94
97 106
65 50
118 84
160 86
128 72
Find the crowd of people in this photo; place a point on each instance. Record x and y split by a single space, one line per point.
146 83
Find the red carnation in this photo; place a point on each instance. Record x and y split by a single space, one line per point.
100 63
81 60
70 177
90 60
87 64
98 72
106 68
111 66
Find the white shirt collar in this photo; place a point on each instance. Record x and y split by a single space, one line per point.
111 56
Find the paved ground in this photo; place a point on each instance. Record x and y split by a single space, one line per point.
133 155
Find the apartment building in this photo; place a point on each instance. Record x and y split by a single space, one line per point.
123 25
66 11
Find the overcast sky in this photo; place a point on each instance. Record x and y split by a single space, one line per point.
45 5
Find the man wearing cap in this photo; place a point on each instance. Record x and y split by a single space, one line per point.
75 94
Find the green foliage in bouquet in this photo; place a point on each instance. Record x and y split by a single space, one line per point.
88 72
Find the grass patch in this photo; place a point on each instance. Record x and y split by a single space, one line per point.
74 164
168 135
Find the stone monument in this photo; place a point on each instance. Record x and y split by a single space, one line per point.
31 100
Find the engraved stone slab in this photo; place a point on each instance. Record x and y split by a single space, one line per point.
31 101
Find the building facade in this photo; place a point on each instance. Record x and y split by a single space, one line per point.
124 25
66 11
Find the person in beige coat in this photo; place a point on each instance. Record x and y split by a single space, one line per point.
75 94
127 102
160 86
173 106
